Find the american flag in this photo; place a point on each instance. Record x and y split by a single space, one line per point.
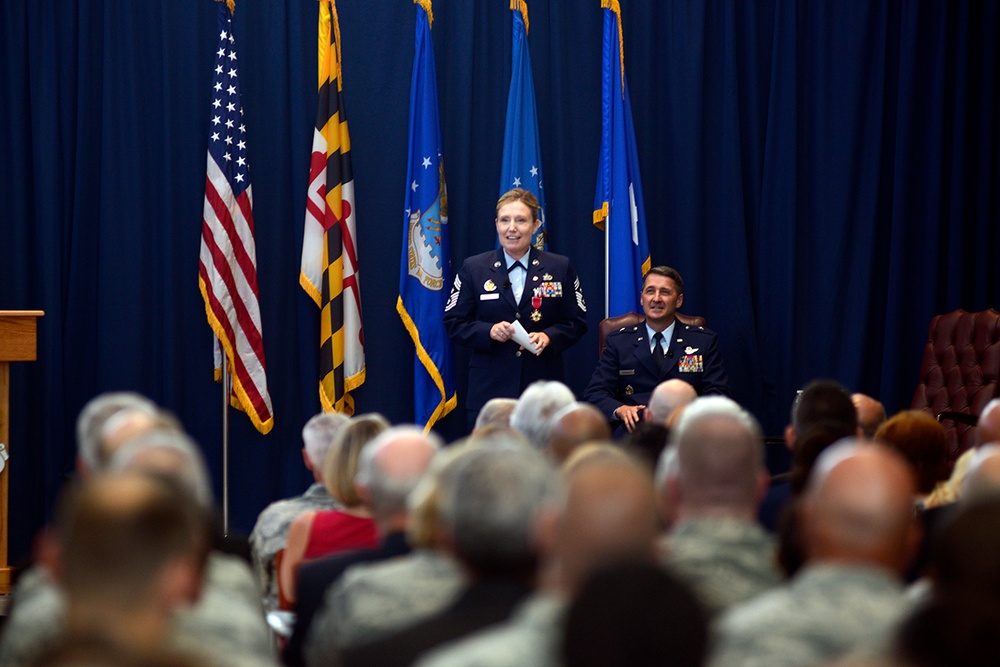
227 272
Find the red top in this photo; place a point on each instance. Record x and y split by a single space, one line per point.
334 531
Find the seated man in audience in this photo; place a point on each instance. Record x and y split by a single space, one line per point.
489 501
714 478
607 515
495 412
637 358
389 468
574 425
871 414
667 397
859 535
536 405
270 533
987 430
128 551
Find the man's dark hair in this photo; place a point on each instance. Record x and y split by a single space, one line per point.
666 272
824 403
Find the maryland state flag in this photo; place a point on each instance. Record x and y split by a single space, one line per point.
522 154
329 253
618 207
425 266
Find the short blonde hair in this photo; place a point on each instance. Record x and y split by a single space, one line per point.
341 462
526 197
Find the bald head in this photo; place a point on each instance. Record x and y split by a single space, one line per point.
667 397
609 515
390 467
983 477
988 426
719 467
496 412
858 507
575 425
871 413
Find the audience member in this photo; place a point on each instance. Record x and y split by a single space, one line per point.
390 467
987 430
375 599
922 441
859 535
607 514
270 532
131 550
714 484
318 533
647 440
634 614
91 421
489 500
532 415
871 414
574 425
496 412
667 397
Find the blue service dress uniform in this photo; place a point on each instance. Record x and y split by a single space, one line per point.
627 372
552 302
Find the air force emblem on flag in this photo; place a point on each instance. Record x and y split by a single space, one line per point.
424 242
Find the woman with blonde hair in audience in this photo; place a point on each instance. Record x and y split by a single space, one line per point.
325 532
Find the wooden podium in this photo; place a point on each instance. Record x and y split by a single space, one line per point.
18 338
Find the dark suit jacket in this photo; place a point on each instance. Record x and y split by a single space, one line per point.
627 372
315 577
483 604
481 296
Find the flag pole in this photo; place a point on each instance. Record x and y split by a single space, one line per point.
225 448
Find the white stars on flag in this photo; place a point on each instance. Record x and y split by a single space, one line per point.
229 149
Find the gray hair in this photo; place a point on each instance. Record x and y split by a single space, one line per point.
537 404
489 500
318 433
389 492
97 411
170 453
496 412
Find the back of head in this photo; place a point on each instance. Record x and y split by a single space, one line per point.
667 397
168 453
858 507
608 514
496 412
982 476
988 426
922 441
318 435
720 459
574 425
824 402
635 614
391 466
808 447
118 531
964 555
90 422
871 413
535 407
489 497
340 467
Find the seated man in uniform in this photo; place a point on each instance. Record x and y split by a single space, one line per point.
638 358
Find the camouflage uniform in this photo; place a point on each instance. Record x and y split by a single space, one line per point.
724 561
225 628
270 534
372 600
827 611
531 638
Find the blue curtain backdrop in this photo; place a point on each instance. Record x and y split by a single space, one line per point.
824 175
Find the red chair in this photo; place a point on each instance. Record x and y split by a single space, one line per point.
960 372
628 319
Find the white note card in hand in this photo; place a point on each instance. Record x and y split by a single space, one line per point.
521 338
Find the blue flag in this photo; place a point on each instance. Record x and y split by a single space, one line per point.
618 207
425 265
522 157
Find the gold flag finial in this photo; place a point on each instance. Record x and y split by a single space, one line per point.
521 6
426 4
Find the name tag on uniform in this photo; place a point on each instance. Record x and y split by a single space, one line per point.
691 363
489 297
626 371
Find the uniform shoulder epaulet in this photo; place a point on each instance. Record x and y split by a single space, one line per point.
630 329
